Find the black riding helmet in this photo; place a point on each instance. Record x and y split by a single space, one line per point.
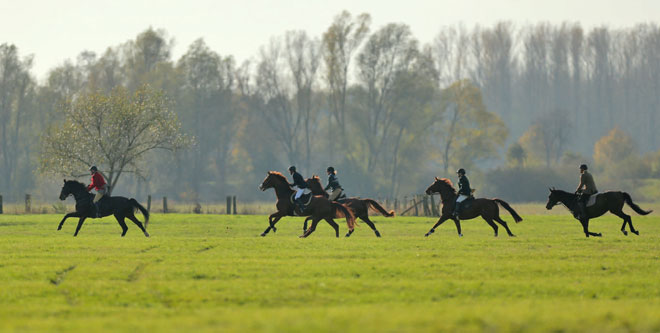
93 168
461 171
292 168
330 169
583 167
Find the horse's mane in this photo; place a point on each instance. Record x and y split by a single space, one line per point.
279 175
448 182
76 183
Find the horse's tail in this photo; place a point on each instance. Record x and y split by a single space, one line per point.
375 205
143 210
506 206
634 206
343 211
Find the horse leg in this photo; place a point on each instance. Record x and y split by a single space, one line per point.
370 224
80 223
311 229
458 226
585 226
504 224
305 224
491 224
271 223
626 219
122 224
74 214
138 223
442 219
334 225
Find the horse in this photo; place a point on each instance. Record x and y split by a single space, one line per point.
120 207
486 208
611 201
319 208
360 207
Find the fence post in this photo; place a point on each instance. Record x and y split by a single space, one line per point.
425 202
0 204
149 203
28 203
434 209
405 202
228 205
396 204
234 205
416 209
165 205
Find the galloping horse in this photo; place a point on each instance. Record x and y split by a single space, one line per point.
360 207
319 208
120 207
611 201
486 208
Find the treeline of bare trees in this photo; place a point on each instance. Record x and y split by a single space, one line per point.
388 111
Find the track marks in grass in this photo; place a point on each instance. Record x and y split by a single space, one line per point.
135 274
204 249
59 276
147 249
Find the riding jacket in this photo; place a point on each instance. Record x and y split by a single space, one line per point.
97 182
464 186
587 181
299 181
333 182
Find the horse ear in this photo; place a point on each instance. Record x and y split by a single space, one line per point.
436 178
64 181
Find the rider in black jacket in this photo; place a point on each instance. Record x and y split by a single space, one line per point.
299 182
464 191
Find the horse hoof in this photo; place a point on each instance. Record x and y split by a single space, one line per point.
347 235
599 235
146 234
263 234
460 235
512 235
495 235
274 229
301 236
625 233
377 234
636 232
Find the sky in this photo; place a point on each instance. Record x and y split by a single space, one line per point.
54 31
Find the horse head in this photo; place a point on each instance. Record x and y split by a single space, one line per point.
442 186
70 187
553 198
315 185
273 179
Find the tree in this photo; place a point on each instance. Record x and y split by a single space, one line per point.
614 148
340 42
468 132
112 131
516 154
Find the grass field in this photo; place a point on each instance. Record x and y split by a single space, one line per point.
213 273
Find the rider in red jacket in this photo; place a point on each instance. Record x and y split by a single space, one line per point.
98 183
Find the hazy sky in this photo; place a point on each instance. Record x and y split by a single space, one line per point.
60 29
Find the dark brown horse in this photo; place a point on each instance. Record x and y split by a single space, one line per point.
611 201
319 208
360 207
486 208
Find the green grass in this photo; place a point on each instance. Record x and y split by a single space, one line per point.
213 273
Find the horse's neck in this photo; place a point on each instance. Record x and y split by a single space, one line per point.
319 191
568 200
282 191
447 196
81 195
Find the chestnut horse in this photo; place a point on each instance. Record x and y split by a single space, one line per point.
486 208
610 201
360 207
319 208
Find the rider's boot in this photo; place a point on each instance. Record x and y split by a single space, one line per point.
457 209
97 209
301 206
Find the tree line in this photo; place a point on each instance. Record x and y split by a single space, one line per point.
388 111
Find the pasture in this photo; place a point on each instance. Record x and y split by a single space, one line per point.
213 273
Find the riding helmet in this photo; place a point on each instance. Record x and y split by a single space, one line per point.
292 168
330 169
93 168
461 171
583 167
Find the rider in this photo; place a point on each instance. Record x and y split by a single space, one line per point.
586 181
464 191
98 183
298 181
333 183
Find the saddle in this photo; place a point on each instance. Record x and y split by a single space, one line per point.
590 199
305 198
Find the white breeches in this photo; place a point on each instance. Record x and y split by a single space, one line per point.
299 192
461 197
